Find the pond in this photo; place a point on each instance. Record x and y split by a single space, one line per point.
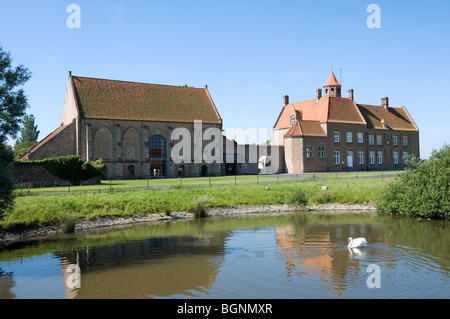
294 256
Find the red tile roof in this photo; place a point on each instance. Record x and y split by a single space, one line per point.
111 99
332 80
394 118
306 128
327 109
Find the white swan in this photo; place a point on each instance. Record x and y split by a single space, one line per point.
357 242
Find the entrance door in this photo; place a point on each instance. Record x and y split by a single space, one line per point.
349 159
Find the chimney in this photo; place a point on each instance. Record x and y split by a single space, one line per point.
318 94
286 100
350 94
385 103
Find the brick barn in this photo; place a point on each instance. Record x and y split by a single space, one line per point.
331 133
129 126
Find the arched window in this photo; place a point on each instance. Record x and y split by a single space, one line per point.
158 155
131 171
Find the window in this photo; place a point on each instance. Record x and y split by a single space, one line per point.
309 152
336 136
405 156
158 155
337 157
321 152
131 171
371 139
380 157
379 140
372 157
349 137
292 120
395 140
360 138
360 157
405 140
395 157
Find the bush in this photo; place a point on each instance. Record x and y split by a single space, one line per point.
6 183
199 206
69 222
422 190
297 197
70 168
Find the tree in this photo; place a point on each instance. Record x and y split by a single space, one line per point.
423 190
28 136
13 103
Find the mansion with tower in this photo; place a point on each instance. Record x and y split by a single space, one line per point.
130 126
332 133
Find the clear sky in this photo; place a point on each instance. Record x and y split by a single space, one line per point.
249 53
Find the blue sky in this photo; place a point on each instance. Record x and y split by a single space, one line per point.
249 53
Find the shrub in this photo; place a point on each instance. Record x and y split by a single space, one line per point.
69 222
422 190
198 207
297 197
6 183
70 168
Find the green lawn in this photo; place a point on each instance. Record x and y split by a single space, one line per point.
111 185
47 209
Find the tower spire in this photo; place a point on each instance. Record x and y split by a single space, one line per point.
332 87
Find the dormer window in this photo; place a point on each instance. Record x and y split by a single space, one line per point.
292 120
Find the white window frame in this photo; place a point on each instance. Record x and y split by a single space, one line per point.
395 157
360 138
371 139
336 157
309 152
405 140
371 157
379 139
321 151
380 157
405 156
349 137
395 140
360 157
336 136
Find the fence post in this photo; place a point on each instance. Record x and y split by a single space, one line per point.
257 176
69 188
234 180
110 184
181 181
209 180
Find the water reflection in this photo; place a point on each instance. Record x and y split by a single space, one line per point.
296 256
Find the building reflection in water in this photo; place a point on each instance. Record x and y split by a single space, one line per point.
320 251
145 268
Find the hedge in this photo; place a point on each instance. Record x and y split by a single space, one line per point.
70 168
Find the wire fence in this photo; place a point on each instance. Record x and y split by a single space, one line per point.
69 187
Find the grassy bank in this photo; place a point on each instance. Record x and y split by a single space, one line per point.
47 209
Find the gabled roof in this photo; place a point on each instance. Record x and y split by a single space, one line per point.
394 118
25 155
332 80
306 128
123 100
327 109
